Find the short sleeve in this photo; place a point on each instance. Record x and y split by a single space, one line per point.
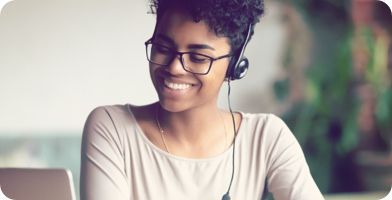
102 159
288 174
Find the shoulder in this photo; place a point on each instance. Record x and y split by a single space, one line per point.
104 111
267 131
110 124
105 120
267 117
118 112
264 122
118 117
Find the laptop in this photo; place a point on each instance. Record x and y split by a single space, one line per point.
36 184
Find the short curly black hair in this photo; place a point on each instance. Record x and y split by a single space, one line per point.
228 18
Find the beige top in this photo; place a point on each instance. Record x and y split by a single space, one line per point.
119 162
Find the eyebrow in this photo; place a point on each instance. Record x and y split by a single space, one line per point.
200 46
190 46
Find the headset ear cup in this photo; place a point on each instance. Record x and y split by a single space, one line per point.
242 68
239 64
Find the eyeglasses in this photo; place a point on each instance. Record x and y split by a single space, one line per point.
192 62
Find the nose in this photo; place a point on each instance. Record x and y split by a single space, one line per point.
175 66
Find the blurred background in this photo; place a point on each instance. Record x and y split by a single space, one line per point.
324 66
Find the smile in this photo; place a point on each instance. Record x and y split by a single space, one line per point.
177 86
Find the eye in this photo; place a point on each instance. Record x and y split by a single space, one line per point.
162 49
197 58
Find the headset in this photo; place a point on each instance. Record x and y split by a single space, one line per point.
239 64
237 69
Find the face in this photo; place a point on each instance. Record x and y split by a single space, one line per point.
179 90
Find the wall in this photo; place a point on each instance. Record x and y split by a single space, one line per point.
61 58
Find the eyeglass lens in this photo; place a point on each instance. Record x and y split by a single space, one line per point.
192 62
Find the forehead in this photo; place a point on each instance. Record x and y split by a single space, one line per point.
181 28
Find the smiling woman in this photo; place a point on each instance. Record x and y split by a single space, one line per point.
184 146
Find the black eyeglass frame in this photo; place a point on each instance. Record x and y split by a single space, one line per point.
177 53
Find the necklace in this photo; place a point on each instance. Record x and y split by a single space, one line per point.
161 129
162 132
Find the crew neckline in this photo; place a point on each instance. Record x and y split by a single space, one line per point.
222 155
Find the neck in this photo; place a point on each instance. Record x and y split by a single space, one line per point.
193 127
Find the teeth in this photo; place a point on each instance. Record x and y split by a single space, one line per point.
177 86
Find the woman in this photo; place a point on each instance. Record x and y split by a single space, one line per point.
183 146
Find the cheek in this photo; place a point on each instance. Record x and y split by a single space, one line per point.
216 77
154 69
220 70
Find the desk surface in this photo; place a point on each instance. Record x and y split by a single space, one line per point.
357 196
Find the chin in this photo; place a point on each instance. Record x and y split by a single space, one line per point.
174 106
